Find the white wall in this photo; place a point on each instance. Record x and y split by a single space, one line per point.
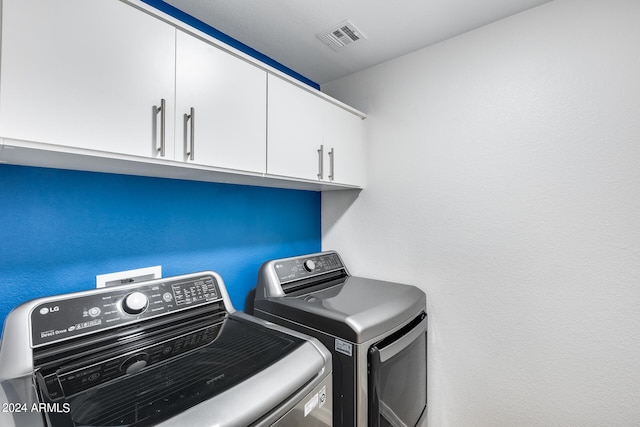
504 180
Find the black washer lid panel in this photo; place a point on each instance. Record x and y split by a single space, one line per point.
357 310
241 350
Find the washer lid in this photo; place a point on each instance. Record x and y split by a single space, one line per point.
357 310
239 374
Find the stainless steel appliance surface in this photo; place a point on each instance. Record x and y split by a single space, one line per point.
167 352
376 331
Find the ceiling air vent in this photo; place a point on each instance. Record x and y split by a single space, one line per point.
341 35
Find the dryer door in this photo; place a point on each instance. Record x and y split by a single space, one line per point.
398 377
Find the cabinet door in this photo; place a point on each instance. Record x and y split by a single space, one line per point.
294 131
344 146
228 97
85 74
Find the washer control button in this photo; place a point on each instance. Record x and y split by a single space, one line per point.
135 303
134 364
94 312
309 265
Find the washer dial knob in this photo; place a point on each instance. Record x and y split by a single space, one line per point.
135 303
309 265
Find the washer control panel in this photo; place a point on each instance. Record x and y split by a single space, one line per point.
298 268
93 311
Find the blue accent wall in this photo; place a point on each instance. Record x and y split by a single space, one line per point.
207 29
61 228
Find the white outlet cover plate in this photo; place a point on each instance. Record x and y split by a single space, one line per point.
154 272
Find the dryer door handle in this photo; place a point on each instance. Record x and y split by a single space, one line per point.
403 342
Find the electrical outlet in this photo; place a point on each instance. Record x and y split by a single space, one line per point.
129 276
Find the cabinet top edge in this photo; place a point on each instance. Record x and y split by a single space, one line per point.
179 25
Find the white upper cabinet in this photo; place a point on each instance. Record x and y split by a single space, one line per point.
105 85
343 137
294 131
312 138
86 74
221 104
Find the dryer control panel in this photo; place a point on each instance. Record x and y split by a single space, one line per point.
292 269
92 311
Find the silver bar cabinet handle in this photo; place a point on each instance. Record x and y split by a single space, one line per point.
192 126
331 155
320 162
162 110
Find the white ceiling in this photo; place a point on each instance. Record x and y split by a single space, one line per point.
285 30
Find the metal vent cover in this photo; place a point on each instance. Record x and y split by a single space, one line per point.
341 35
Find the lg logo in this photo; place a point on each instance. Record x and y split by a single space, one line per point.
47 310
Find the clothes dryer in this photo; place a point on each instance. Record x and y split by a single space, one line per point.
376 331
